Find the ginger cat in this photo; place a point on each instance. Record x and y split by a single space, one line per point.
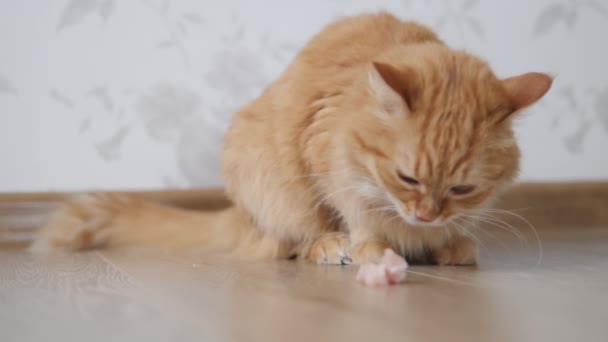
377 135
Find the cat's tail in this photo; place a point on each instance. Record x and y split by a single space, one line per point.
117 221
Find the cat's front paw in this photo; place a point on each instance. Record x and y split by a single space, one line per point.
368 251
331 248
458 250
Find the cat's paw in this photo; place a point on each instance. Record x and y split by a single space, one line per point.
458 250
331 248
368 251
80 223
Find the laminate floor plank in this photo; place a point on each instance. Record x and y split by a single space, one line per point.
146 295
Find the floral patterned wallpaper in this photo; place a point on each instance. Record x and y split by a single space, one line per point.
114 94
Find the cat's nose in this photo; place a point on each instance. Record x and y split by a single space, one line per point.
427 210
424 217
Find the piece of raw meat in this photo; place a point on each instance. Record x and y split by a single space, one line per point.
391 270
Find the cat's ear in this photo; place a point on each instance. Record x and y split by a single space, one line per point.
391 87
524 90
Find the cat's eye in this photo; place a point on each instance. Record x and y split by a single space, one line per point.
460 190
409 180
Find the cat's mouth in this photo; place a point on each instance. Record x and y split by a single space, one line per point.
413 221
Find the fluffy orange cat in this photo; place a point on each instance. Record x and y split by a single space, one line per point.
377 135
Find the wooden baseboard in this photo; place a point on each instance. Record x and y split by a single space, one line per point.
544 205
559 205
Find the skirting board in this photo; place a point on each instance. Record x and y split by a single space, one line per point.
543 205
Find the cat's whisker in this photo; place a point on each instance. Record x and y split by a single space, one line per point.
449 280
492 222
532 228
473 224
498 223
465 231
341 172
326 197
504 210
396 216
388 209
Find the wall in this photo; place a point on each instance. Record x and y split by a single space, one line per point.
136 94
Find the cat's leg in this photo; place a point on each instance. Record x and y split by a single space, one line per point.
366 245
294 214
458 250
368 251
289 211
367 242
331 248
277 191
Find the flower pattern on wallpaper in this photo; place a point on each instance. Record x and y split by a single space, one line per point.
6 86
458 15
75 11
577 109
177 27
99 98
583 102
566 13
169 111
165 108
212 58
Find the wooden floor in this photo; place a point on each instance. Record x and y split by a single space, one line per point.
149 296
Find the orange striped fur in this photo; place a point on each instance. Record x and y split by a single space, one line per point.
377 135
